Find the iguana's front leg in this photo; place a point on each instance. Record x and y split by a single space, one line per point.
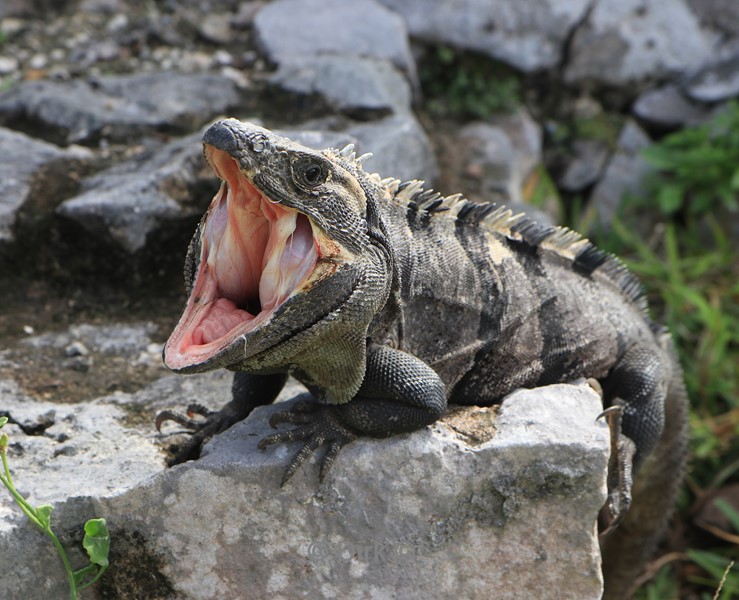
247 392
399 393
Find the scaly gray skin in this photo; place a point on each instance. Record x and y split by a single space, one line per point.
397 300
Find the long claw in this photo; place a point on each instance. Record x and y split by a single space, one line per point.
300 457
290 435
294 418
611 414
318 425
208 423
619 472
198 409
180 419
330 457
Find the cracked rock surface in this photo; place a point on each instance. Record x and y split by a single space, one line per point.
522 485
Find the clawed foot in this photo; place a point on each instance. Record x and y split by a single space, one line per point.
318 425
619 473
204 428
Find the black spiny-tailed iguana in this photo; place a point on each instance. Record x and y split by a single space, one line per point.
388 301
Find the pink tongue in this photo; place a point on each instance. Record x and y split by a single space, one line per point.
222 318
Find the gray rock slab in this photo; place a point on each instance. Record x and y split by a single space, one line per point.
585 167
721 15
668 107
99 447
118 107
400 148
113 339
500 155
351 85
476 506
623 175
126 203
716 83
529 35
286 29
490 159
88 450
632 40
318 139
23 161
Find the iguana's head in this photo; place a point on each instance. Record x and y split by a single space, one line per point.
278 254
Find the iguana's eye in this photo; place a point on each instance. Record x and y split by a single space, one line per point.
309 172
313 174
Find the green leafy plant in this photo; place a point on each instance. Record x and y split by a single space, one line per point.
467 85
662 586
698 167
96 541
719 569
679 236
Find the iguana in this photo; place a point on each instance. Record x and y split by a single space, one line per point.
389 301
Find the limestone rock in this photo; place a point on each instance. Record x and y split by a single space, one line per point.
635 40
667 107
589 157
716 83
23 162
721 15
318 138
357 87
126 203
400 148
623 174
499 156
118 107
529 35
477 505
287 29
85 449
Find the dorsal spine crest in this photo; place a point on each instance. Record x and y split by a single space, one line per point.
500 219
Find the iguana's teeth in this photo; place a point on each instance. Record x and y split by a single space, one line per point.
290 255
269 284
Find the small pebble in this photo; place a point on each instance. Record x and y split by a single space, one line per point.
76 348
8 65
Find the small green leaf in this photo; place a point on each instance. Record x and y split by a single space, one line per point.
3 443
43 513
670 199
734 184
3 420
713 563
97 541
729 512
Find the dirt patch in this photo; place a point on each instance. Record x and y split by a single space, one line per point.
53 340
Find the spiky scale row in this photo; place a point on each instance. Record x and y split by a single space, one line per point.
586 258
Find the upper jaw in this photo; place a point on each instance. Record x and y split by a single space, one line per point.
256 256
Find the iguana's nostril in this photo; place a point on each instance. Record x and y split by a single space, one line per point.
219 135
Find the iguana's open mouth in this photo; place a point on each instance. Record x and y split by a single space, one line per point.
255 254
